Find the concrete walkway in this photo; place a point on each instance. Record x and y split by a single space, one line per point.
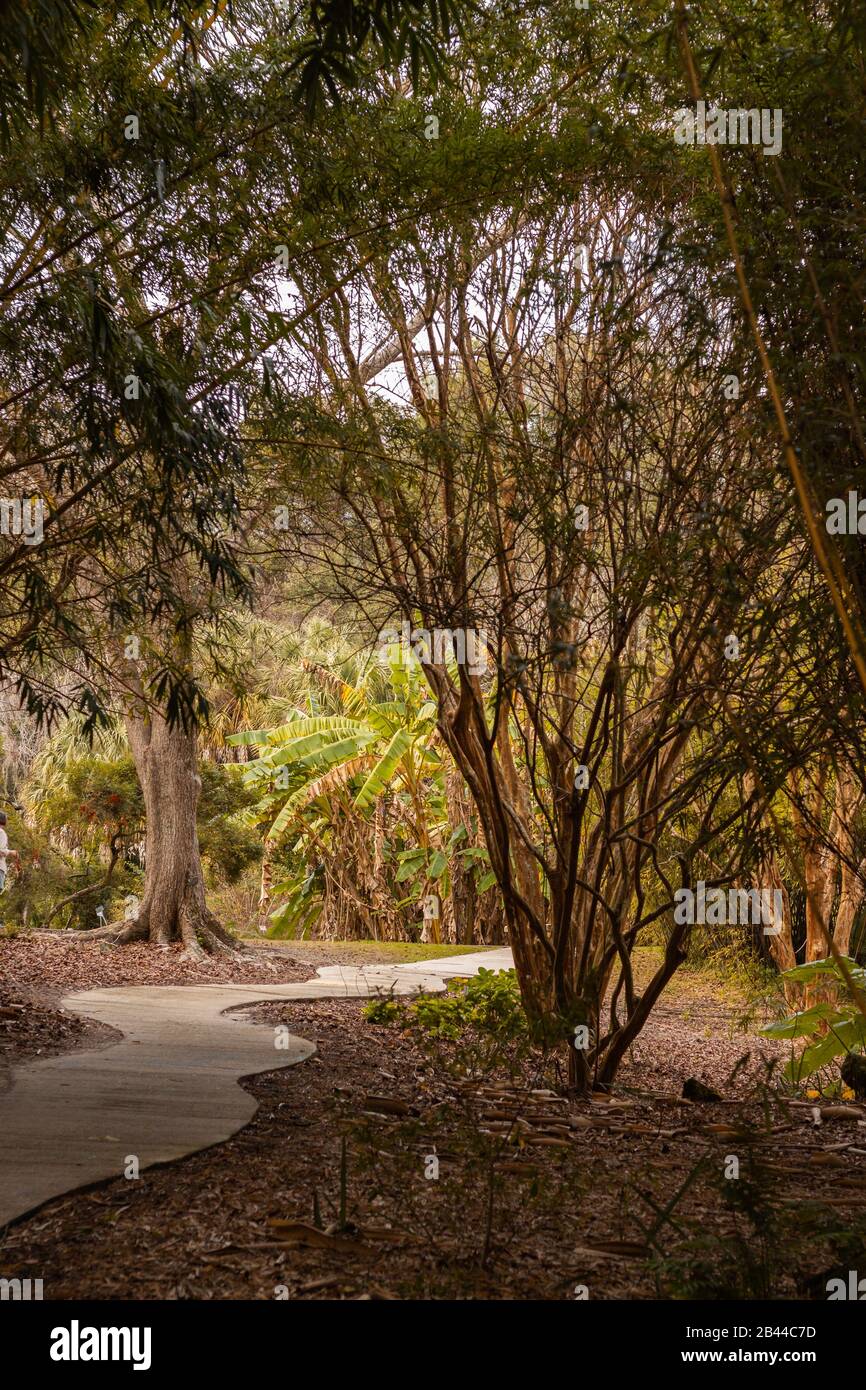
169 1086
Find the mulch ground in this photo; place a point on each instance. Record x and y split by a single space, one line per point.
30 1029
37 971
60 963
377 1170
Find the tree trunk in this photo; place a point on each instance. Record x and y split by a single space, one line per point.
849 798
266 884
826 854
464 898
819 863
173 904
850 902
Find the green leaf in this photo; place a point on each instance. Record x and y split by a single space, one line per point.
816 969
382 773
437 865
413 857
843 1038
323 785
318 751
803 1024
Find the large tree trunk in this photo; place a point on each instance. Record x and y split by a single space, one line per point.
173 906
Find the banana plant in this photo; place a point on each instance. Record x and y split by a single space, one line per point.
321 776
344 760
353 797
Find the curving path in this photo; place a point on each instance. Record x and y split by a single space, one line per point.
169 1086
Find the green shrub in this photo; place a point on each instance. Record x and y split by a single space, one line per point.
89 805
384 1011
488 1003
